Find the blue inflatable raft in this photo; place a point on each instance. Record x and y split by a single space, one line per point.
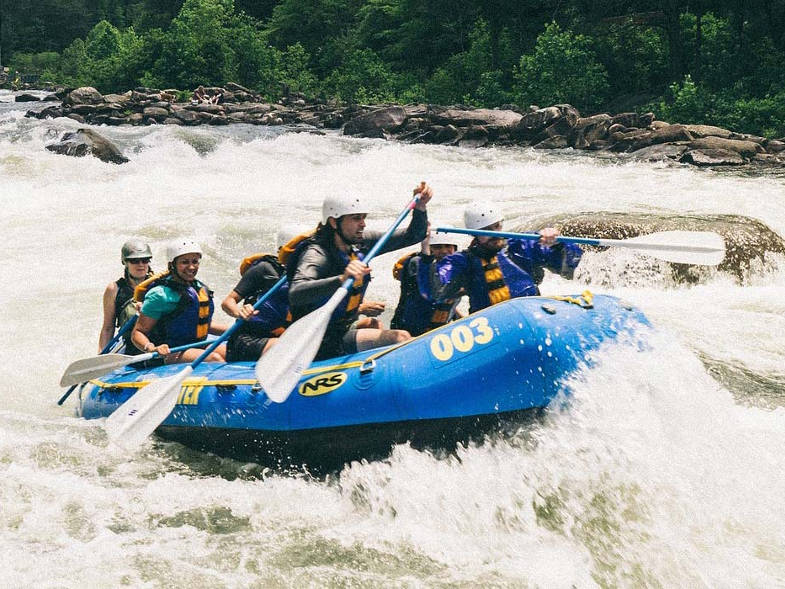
466 378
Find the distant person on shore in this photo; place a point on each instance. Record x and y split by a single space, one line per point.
119 307
177 309
200 96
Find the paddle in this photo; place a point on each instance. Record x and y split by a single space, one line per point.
138 417
282 366
703 248
89 368
108 347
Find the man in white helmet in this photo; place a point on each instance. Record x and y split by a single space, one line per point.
321 263
492 270
417 311
135 256
177 309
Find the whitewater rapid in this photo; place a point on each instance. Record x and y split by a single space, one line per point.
664 468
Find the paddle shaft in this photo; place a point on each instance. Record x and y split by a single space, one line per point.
583 240
110 344
347 284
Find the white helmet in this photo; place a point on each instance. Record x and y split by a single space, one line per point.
442 238
479 215
182 246
342 204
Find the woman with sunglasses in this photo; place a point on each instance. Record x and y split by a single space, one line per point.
119 307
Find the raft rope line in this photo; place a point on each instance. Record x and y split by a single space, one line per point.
584 301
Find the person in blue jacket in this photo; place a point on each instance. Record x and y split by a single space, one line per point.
177 308
417 311
493 270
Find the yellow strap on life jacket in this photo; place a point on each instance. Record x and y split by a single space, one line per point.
585 301
289 247
250 260
497 289
141 289
203 325
356 292
398 268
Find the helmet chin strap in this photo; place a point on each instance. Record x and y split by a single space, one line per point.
340 233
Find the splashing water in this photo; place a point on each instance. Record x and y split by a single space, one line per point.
663 468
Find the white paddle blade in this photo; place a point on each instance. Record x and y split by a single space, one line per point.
137 418
702 248
88 368
281 367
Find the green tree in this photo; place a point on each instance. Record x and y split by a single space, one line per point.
563 68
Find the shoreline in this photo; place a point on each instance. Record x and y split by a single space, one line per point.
639 136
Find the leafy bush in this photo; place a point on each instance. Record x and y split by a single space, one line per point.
563 68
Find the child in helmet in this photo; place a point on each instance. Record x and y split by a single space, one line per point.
118 303
417 311
492 270
320 264
177 309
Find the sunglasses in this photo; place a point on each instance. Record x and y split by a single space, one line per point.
139 260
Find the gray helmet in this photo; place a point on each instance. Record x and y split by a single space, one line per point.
134 249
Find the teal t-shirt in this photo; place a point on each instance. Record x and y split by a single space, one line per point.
160 301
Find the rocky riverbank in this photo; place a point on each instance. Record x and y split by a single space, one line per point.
630 135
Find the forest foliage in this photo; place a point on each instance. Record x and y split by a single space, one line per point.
696 61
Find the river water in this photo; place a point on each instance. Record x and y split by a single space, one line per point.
665 469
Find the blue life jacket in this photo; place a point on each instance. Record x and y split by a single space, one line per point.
273 316
417 311
190 321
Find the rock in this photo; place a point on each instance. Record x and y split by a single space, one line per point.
475 136
155 112
489 118
49 112
659 152
50 98
555 142
187 116
84 95
387 119
774 146
534 123
700 131
746 149
77 117
712 157
748 242
447 134
26 98
120 99
172 121
83 141
667 134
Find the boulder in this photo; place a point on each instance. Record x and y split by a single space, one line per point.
700 131
83 95
502 120
386 119
475 136
712 157
86 141
26 98
666 134
534 123
745 149
748 241
555 142
659 152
